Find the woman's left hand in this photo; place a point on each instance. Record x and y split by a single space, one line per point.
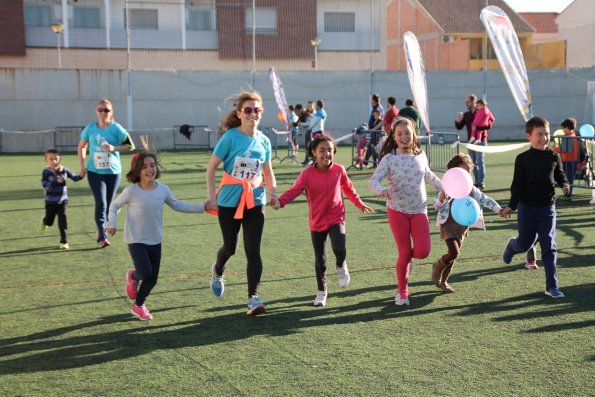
107 147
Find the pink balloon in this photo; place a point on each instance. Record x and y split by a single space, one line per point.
457 183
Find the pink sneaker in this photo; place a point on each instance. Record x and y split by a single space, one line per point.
531 265
131 285
141 312
103 243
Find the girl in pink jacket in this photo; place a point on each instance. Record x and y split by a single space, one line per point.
324 182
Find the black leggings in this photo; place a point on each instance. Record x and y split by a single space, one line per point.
252 224
147 259
338 244
53 209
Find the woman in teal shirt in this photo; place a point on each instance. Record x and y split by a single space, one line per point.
245 153
104 139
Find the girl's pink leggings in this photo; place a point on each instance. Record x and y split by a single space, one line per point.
412 235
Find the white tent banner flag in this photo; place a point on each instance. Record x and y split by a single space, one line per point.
417 77
279 96
508 51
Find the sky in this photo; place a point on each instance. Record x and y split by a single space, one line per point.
538 5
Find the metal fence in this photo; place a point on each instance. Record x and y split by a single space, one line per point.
440 148
67 138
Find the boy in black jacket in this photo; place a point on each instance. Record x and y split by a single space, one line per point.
536 172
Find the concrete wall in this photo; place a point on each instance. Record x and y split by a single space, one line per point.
32 99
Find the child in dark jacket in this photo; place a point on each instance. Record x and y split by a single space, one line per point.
53 181
536 172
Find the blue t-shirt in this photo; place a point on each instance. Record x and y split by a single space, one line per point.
243 157
100 161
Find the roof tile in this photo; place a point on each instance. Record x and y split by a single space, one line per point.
462 16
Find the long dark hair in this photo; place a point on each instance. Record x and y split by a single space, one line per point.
136 166
230 119
390 145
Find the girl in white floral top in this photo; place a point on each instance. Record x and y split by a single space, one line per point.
407 170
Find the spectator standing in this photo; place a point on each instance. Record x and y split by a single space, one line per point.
411 111
390 114
375 102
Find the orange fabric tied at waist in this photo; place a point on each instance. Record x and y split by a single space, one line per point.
246 199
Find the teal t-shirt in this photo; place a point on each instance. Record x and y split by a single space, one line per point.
100 161
243 157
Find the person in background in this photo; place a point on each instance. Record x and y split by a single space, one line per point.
572 152
305 121
376 105
53 182
391 114
104 139
411 111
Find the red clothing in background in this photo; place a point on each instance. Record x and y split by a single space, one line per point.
390 115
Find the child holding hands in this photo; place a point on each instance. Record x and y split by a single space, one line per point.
143 230
407 170
450 231
323 183
536 172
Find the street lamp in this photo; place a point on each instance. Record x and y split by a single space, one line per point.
57 28
315 43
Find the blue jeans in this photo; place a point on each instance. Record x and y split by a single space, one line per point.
480 167
538 224
104 188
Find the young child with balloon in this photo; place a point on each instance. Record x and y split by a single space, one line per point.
407 170
458 209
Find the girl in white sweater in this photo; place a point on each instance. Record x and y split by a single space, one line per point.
143 230
407 170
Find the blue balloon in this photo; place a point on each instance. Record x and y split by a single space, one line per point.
465 211
587 131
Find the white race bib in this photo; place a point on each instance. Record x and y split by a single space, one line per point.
102 160
245 168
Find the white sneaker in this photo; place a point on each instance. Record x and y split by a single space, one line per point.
472 139
401 301
320 299
344 277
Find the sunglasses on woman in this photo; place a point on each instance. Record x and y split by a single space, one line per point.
249 110
103 110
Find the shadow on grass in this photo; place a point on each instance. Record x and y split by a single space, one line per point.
50 351
44 251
